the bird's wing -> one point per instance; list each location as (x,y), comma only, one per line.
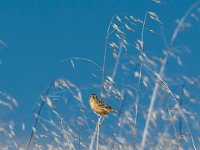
(104,105)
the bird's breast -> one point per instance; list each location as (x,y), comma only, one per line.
(92,104)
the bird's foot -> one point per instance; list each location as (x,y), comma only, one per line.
(99,125)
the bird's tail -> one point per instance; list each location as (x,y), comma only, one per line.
(112,110)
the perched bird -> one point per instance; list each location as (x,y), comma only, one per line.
(99,107)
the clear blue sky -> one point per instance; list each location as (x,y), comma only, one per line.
(41,33)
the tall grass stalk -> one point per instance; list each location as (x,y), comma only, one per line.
(98,129)
(156,87)
(105,53)
(95,135)
(37,116)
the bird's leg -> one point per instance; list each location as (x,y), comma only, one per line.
(99,121)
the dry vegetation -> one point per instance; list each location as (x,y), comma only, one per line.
(155,110)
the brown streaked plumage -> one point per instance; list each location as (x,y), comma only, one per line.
(99,107)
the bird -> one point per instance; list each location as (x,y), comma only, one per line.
(99,107)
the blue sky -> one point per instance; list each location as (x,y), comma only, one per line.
(39,34)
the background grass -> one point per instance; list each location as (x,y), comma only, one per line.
(157,109)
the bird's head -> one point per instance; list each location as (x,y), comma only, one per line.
(93,96)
